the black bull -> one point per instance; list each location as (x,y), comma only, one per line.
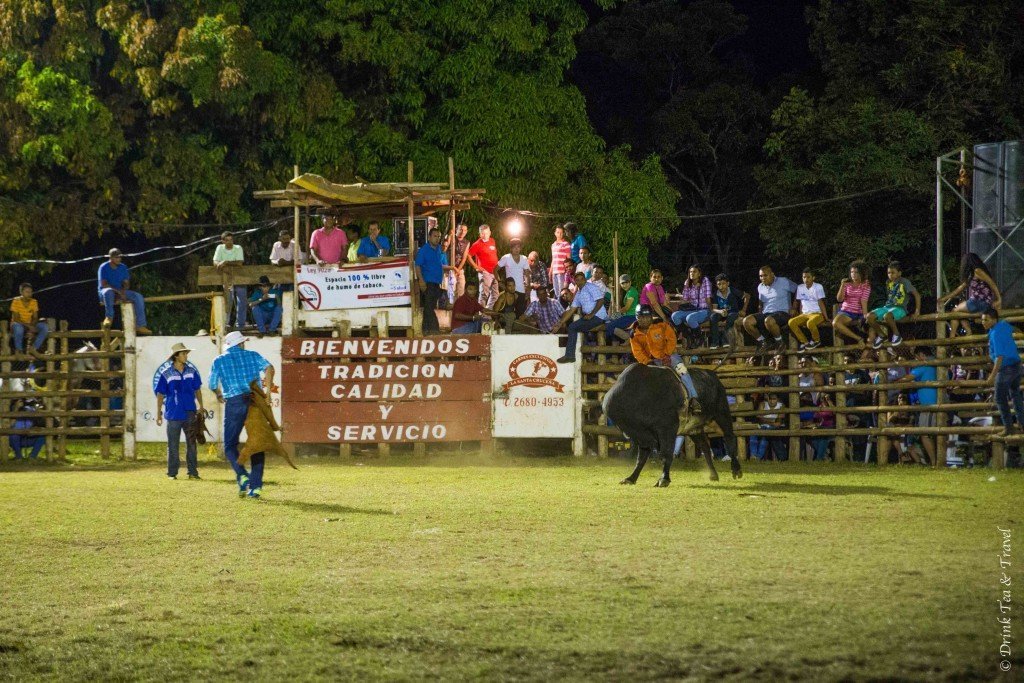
(645,403)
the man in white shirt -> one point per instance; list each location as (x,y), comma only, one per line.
(811,296)
(514,265)
(283,251)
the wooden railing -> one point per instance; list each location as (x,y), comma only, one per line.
(741,379)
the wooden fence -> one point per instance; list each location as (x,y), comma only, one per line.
(741,381)
(75,388)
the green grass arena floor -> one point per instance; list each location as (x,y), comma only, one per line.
(539,568)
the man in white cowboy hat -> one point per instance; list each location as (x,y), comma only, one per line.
(230,376)
(177,385)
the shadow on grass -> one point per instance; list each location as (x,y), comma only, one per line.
(823,490)
(326,508)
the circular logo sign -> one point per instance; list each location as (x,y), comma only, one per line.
(533,370)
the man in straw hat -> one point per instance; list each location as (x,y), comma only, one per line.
(177,385)
(230,375)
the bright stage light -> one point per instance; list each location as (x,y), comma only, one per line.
(514,227)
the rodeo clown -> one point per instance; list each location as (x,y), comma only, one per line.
(654,343)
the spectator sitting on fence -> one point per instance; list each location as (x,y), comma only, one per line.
(328,245)
(541,317)
(589,303)
(177,386)
(853,299)
(982,290)
(566,297)
(586,263)
(28,330)
(774,302)
(283,251)
(769,420)
(926,396)
(813,313)
(25,408)
(508,304)
(374,245)
(653,295)
(576,241)
(1006,371)
(114,279)
(266,307)
(898,292)
(728,304)
(619,324)
(599,277)
(538,274)
(467,314)
(354,237)
(230,255)
(695,307)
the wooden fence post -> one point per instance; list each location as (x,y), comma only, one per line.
(841,444)
(792,362)
(5,368)
(128,379)
(941,419)
(48,402)
(65,385)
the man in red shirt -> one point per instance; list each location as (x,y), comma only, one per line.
(467,313)
(483,256)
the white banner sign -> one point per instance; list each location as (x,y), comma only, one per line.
(369,285)
(534,395)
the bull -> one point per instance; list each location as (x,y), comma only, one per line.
(646,403)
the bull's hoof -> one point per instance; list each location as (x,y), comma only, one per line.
(627,480)
(736,474)
(662,483)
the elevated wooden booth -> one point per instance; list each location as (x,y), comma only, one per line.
(381,294)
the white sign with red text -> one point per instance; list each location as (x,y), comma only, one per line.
(368,285)
(534,397)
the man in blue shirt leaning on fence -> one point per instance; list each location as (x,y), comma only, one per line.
(230,376)
(1006,375)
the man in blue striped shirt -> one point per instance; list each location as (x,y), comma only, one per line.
(230,376)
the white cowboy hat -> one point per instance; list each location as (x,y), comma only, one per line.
(233,339)
(178,348)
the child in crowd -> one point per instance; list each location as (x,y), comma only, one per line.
(653,295)
(898,292)
(728,304)
(813,313)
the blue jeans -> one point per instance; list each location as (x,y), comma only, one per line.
(674,360)
(575,328)
(19,441)
(174,429)
(1007,390)
(470,327)
(717,331)
(693,319)
(759,446)
(19,335)
(235,410)
(820,447)
(241,296)
(107,297)
(620,323)
(266,322)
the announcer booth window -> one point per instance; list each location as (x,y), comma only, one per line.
(422,227)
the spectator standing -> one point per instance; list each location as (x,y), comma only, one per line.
(926,396)
(1006,374)
(898,292)
(467,313)
(586,263)
(459,263)
(230,377)
(283,252)
(560,251)
(354,237)
(483,256)
(696,305)
(25,323)
(429,273)
(729,304)
(653,295)
(852,296)
(620,325)
(24,420)
(542,316)
(266,307)
(538,275)
(589,303)
(374,245)
(113,288)
(775,299)
(576,241)
(328,245)
(982,291)
(229,255)
(769,420)
(813,313)
(516,266)
(177,386)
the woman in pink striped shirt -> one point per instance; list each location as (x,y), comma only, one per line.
(560,250)
(853,296)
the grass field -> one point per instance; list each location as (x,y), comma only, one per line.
(515,568)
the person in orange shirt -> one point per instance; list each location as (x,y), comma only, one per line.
(25,322)
(654,343)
